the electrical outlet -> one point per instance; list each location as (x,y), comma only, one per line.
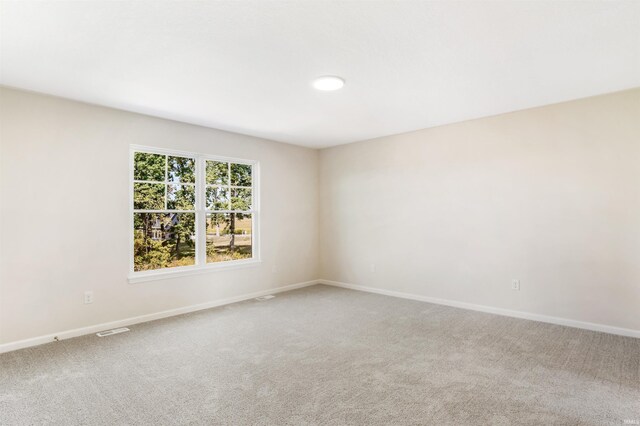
(373,267)
(274,269)
(515,285)
(88,297)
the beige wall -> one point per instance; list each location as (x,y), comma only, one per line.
(64,224)
(550,196)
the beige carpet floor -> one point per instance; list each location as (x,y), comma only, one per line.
(323,355)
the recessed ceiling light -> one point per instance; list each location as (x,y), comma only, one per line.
(328,82)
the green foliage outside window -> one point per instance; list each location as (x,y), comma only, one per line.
(217,173)
(229,233)
(164,201)
(163,239)
(149,167)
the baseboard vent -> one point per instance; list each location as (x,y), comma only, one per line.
(111,332)
(267,297)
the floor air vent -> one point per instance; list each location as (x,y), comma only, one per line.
(267,297)
(111,332)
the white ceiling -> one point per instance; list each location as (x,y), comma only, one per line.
(246,66)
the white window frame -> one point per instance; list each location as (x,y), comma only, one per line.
(201,265)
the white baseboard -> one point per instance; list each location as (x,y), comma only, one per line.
(12,346)
(492,310)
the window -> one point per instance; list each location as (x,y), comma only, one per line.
(191,212)
(229,218)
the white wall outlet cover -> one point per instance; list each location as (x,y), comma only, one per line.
(515,285)
(88,297)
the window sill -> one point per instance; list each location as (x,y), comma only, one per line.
(183,271)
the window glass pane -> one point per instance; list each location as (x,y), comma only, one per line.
(240,174)
(148,196)
(181,169)
(181,197)
(240,199)
(148,166)
(217,198)
(163,240)
(229,237)
(217,173)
